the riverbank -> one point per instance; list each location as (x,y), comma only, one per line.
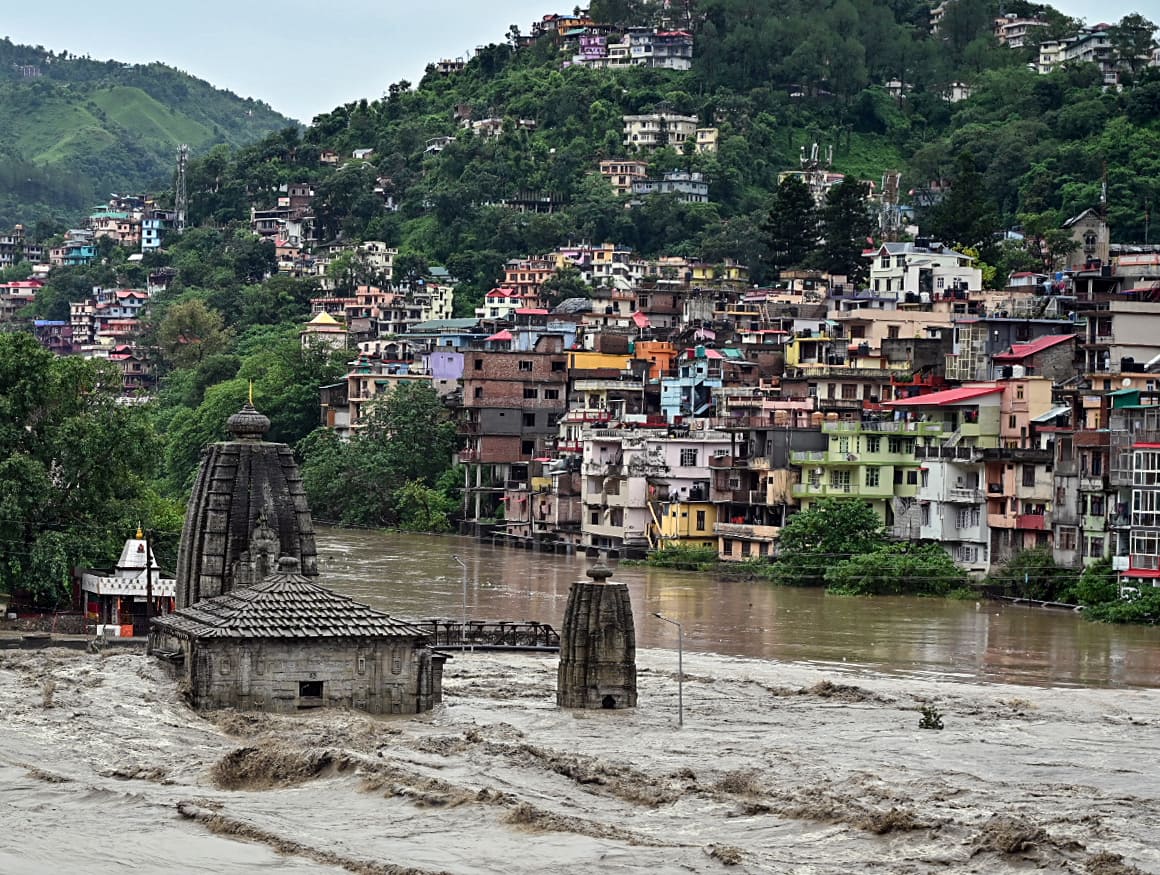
(780,767)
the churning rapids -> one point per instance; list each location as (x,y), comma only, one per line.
(801,765)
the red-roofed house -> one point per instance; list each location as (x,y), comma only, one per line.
(1052,356)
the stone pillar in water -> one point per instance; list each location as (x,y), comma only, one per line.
(597,645)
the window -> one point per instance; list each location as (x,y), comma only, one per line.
(530,420)
(557,367)
(1019,392)
(925,515)
(310,689)
(840,480)
(551,394)
(479,364)
(700,521)
(688,458)
(911,478)
(1066,536)
(525,365)
(478,393)
(1095,548)
(892,331)
(873,475)
(873,444)
(1028,475)
(1012,421)
(727,546)
(900,445)
(924,477)
(594,517)
(966,554)
(1097,505)
(849,392)
(843,445)
(530,393)
(968,518)
(528,448)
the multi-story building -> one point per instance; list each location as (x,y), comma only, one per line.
(645,488)
(1134,475)
(689,188)
(653,130)
(984,481)
(922,267)
(622,174)
(512,403)
(15,246)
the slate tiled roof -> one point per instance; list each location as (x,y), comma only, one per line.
(284,605)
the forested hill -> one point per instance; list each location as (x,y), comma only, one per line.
(772,76)
(73,129)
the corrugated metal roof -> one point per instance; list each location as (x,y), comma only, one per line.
(948,396)
(1020,351)
(284,605)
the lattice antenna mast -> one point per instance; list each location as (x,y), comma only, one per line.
(181,199)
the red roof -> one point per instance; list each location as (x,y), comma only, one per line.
(531,311)
(946,397)
(1020,351)
(502,335)
(640,319)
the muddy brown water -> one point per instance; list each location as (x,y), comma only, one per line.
(416,577)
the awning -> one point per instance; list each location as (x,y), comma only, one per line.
(1052,413)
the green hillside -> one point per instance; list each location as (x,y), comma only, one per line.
(77,129)
(1023,150)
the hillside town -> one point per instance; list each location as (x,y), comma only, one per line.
(678,404)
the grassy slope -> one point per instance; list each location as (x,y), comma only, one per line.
(136,111)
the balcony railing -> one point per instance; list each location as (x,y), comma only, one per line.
(960,495)
(469,455)
(741,530)
(951,454)
(725,461)
(1033,521)
(805,457)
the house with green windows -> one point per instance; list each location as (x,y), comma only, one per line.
(871,459)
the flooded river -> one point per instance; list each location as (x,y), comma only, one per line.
(800,751)
(416,576)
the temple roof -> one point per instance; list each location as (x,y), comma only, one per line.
(284,605)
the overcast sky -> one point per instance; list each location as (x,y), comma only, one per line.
(305,57)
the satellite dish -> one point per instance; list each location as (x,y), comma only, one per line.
(1127,381)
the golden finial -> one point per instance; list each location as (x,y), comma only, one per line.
(251,393)
(140,534)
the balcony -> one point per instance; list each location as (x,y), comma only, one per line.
(960,495)
(807,457)
(949,454)
(1034,521)
(746,532)
(1088,483)
(467,456)
(466,426)
(725,461)
(1000,521)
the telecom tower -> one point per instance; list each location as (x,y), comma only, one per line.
(814,170)
(181,202)
(889,217)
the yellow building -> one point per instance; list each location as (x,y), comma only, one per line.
(686,524)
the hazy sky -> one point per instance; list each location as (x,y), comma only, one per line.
(305,58)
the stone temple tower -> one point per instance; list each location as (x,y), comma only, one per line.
(597,645)
(247,509)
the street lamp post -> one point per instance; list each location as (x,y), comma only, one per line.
(463,628)
(680,667)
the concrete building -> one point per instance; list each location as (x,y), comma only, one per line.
(653,130)
(622,174)
(117,600)
(689,188)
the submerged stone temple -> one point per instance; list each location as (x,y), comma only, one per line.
(247,509)
(254,629)
(597,645)
(287,644)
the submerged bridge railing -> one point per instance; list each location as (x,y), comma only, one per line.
(490,635)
